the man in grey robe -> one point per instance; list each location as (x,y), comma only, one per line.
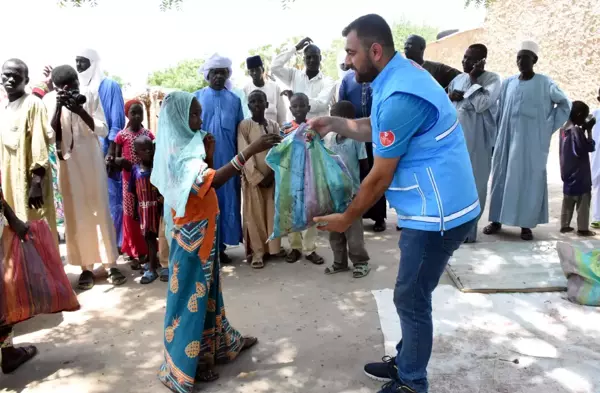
(475,95)
(531,108)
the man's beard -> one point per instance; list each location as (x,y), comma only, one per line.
(367,75)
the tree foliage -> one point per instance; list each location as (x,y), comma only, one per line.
(269,52)
(403,29)
(330,52)
(183,76)
(176,4)
(117,79)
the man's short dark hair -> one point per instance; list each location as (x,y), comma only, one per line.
(302,96)
(372,29)
(64,75)
(21,64)
(481,49)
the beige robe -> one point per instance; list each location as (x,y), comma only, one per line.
(89,229)
(25,137)
(259,203)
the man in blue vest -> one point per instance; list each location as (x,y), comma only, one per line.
(423,167)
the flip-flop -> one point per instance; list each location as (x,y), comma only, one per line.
(149,277)
(27,353)
(334,270)
(115,277)
(595,225)
(86,281)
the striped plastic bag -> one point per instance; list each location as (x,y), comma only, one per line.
(582,270)
(32,276)
(310,181)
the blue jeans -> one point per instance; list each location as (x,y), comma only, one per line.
(423,258)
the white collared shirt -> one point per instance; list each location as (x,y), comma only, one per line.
(320,89)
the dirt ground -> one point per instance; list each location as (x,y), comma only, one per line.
(315,331)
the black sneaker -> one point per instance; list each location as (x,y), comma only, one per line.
(395,387)
(384,371)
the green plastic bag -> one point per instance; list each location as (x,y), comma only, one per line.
(582,270)
(310,181)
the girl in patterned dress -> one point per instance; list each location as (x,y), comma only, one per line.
(197,332)
(147,203)
(134,244)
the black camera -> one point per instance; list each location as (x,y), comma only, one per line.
(79,99)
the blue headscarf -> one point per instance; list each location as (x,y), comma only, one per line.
(180,154)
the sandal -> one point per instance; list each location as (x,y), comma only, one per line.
(586,233)
(595,225)
(379,227)
(315,258)
(149,277)
(206,376)
(566,229)
(115,277)
(164,274)
(335,268)
(280,254)
(293,257)
(224,258)
(526,234)
(257,263)
(135,264)
(492,228)
(86,280)
(361,270)
(25,355)
(249,342)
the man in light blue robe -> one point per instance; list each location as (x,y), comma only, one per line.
(531,108)
(475,95)
(92,77)
(221,115)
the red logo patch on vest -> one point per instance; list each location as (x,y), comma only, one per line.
(387,138)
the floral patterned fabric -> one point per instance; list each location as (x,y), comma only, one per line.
(197,331)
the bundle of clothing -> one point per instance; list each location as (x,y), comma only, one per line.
(310,181)
(582,269)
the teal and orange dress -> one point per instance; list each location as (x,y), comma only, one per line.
(196,329)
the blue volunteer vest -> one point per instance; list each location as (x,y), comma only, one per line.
(433,187)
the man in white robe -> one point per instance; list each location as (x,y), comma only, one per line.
(475,95)
(277,110)
(318,87)
(595,158)
(89,230)
(531,108)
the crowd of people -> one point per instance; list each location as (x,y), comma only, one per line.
(419,135)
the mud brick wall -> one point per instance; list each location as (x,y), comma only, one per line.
(568,32)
